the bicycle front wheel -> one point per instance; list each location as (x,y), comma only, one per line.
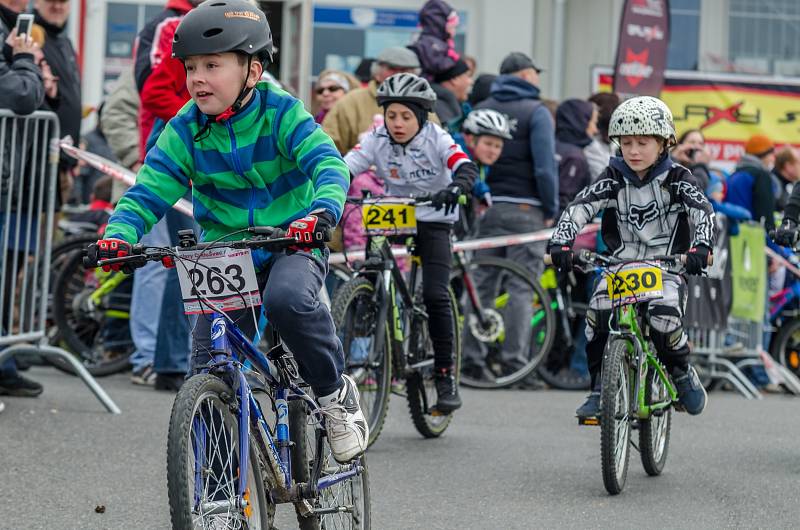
(355,314)
(786,346)
(421,383)
(203,462)
(515,329)
(615,407)
(654,431)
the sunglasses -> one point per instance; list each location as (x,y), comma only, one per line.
(321,90)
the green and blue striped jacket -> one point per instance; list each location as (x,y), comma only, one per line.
(266,166)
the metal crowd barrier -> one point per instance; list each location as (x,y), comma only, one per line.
(28,186)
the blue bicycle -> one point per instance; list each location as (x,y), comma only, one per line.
(230,460)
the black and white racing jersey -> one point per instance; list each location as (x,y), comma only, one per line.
(643,217)
(424,165)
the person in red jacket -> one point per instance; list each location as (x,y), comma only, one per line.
(153,47)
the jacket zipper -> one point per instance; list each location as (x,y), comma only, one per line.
(237,166)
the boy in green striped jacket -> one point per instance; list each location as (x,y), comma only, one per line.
(252,156)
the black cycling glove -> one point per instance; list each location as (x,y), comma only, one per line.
(562,256)
(697,259)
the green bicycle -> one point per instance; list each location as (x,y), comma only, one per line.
(636,392)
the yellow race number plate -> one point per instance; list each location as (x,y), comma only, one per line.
(389,218)
(636,284)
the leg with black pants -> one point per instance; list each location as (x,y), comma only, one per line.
(433,248)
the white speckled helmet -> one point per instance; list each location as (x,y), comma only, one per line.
(642,116)
(487,121)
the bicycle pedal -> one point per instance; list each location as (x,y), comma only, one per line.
(304,508)
(593,420)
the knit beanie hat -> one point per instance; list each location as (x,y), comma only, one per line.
(460,67)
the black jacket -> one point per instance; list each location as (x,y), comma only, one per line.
(572,119)
(447,108)
(62,59)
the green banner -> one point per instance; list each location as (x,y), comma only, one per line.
(749,273)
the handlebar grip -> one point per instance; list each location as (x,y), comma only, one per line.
(462,200)
(548,259)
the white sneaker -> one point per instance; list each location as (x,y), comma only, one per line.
(347,429)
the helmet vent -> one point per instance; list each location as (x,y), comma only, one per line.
(217,4)
(213,32)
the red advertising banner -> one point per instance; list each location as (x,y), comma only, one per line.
(642,48)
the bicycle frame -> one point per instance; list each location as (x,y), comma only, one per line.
(230,349)
(108,283)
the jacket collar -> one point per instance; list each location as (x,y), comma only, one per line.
(51,29)
(750,161)
(661,166)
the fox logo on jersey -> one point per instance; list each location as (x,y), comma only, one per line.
(641,215)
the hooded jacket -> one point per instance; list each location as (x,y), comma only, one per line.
(526,170)
(750,187)
(62,59)
(434,47)
(643,217)
(572,119)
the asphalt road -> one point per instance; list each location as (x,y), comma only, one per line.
(511,459)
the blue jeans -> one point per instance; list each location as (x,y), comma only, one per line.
(158,327)
(290,292)
(9,367)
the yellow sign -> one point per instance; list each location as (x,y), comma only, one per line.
(389,218)
(640,284)
(728,108)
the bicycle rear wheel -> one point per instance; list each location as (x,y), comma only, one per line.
(506,290)
(203,457)
(345,505)
(615,407)
(98,336)
(786,346)
(654,431)
(420,383)
(355,314)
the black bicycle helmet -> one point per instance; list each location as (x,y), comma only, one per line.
(219,26)
(404,88)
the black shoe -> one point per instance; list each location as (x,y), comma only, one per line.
(591,407)
(169,382)
(19,386)
(691,394)
(448,399)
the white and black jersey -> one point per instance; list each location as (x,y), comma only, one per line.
(643,217)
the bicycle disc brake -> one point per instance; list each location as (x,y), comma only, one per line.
(493,329)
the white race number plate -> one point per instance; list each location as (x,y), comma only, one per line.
(225,277)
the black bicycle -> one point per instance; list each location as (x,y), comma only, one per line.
(382,322)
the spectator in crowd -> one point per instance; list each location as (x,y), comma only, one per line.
(452,90)
(472,64)
(524,183)
(599,152)
(750,186)
(354,113)
(120,110)
(22,91)
(331,86)
(434,46)
(785,174)
(52,15)
(576,125)
(692,153)
(364,70)
(94,142)
(159,331)
(100,205)
(481,89)
(153,45)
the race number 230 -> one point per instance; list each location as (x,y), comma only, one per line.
(636,282)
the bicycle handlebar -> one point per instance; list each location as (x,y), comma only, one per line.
(267,237)
(592,258)
(424,199)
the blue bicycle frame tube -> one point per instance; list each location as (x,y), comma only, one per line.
(282,430)
(244,432)
(199,458)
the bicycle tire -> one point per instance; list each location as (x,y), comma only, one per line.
(374,385)
(543,335)
(420,387)
(615,396)
(555,380)
(181,450)
(654,431)
(303,457)
(785,348)
(80,333)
